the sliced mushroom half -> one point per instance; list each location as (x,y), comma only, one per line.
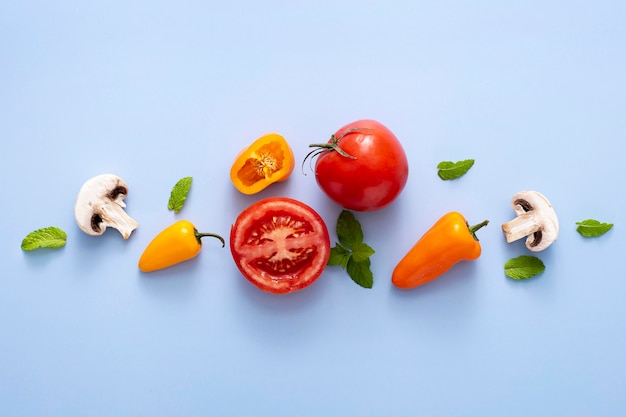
(535,220)
(100,204)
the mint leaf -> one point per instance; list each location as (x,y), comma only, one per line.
(351,253)
(361,273)
(339,256)
(361,252)
(523,267)
(47,237)
(179,194)
(593,228)
(349,229)
(452,170)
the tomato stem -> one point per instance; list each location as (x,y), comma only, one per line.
(199,237)
(333,145)
(476,227)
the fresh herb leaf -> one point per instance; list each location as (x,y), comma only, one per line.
(339,256)
(349,229)
(179,194)
(361,252)
(351,253)
(47,237)
(593,228)
(452,170)
(523,267)
(360,272)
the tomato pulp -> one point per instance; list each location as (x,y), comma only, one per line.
(280,244)
(371,175)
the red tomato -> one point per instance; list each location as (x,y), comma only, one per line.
(373,173)
(280,245)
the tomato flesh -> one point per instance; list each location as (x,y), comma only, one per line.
(280,244)
(376,174)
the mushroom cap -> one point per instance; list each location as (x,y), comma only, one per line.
(543,214)
(100,204)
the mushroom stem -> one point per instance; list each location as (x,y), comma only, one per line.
(523,225)
(113,215)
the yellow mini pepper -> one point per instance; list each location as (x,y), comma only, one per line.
(177,243)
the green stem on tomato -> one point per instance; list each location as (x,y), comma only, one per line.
(332,145)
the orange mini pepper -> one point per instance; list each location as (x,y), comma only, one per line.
(447,242)
(267,160)
(177,243)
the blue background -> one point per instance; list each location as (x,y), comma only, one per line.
(534,91)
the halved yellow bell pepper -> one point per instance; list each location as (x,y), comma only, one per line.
(267,160)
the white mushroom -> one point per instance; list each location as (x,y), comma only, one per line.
(100,205)
(535,218)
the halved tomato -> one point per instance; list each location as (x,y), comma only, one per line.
(280,244)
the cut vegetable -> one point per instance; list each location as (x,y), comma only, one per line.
(536,221)
(267,160)
(100,204)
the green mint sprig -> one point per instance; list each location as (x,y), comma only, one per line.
(523,267)
(593,228)
(179,194)
(48,237)
(350,252)
(452,170)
